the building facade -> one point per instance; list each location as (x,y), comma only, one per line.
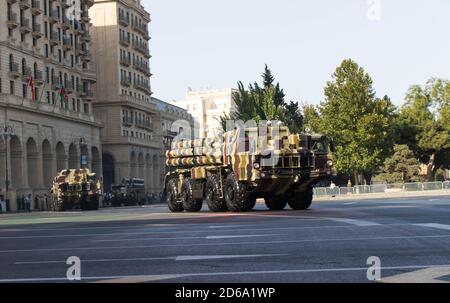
(176,123)
(207,107)
(46,80)
(131,132)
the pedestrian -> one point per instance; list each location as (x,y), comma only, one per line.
(28,202)
(1,204)
(46,202)
(36,202)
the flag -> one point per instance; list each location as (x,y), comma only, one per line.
(63,97)
(31,85)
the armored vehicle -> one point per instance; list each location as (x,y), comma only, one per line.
(75,188)
(128,192)
(230,172)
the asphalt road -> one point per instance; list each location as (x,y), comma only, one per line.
(331,242)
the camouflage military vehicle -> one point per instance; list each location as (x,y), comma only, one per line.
(73,188)
(128,192)
(231,172)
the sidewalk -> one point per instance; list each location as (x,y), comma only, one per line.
(384,195)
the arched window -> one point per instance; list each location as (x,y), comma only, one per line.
(35,69)
(24,66)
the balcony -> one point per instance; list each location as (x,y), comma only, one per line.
(86,57)
(25,26)
(68,86)
(85,16)
(87,94)
(79,51)
(56,83)
(66,23)
(38,78)
(147,125)
(14,70)
(125,82)
(125,61)
(140,28)
(54,38)
(66,3)
(127,121)
(124,41)
(36,7)
(86,37)
(24,4)
(12,20)
(54,16)
(67,43)
(123,20)
(36,32)
(26,73)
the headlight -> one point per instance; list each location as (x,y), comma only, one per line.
(329,163)
(256,165)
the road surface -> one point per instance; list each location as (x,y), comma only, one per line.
(331,242)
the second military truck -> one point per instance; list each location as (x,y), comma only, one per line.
(231,172)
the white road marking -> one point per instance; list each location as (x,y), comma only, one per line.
(239,236)
(355,222)
(184,238)
(213,257)
(426,275)
(225,226)
(143,278)
(176,258)
(434,225)
(349,203)
(228,243)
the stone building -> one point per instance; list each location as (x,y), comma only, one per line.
(176,122)
(131,133)
(206,106)
(39,40)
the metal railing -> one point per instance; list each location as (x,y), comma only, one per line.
(382,188)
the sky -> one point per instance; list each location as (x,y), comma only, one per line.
(203,44)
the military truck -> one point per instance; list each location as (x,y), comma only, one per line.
(130,191)
(75,188)
(232,171)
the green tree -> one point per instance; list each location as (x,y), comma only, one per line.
(403,166)
(311,117)
(264,102)
(424,125)
(357,121)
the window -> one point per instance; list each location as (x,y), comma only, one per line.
(11,87)
(48,97)
(24,90)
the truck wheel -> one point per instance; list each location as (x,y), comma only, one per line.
(275,202)
(212,190)
(301,201)
(173,202)
(189,203)
(236,196)
(58,205)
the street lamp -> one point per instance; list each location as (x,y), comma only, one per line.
(6,133)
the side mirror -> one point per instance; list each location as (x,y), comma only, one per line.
(332,146)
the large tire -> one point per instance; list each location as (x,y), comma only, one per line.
(212,190)
(58,205)
(275,202)
(172,197)
(189,203)
(236,196)
(301,201)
